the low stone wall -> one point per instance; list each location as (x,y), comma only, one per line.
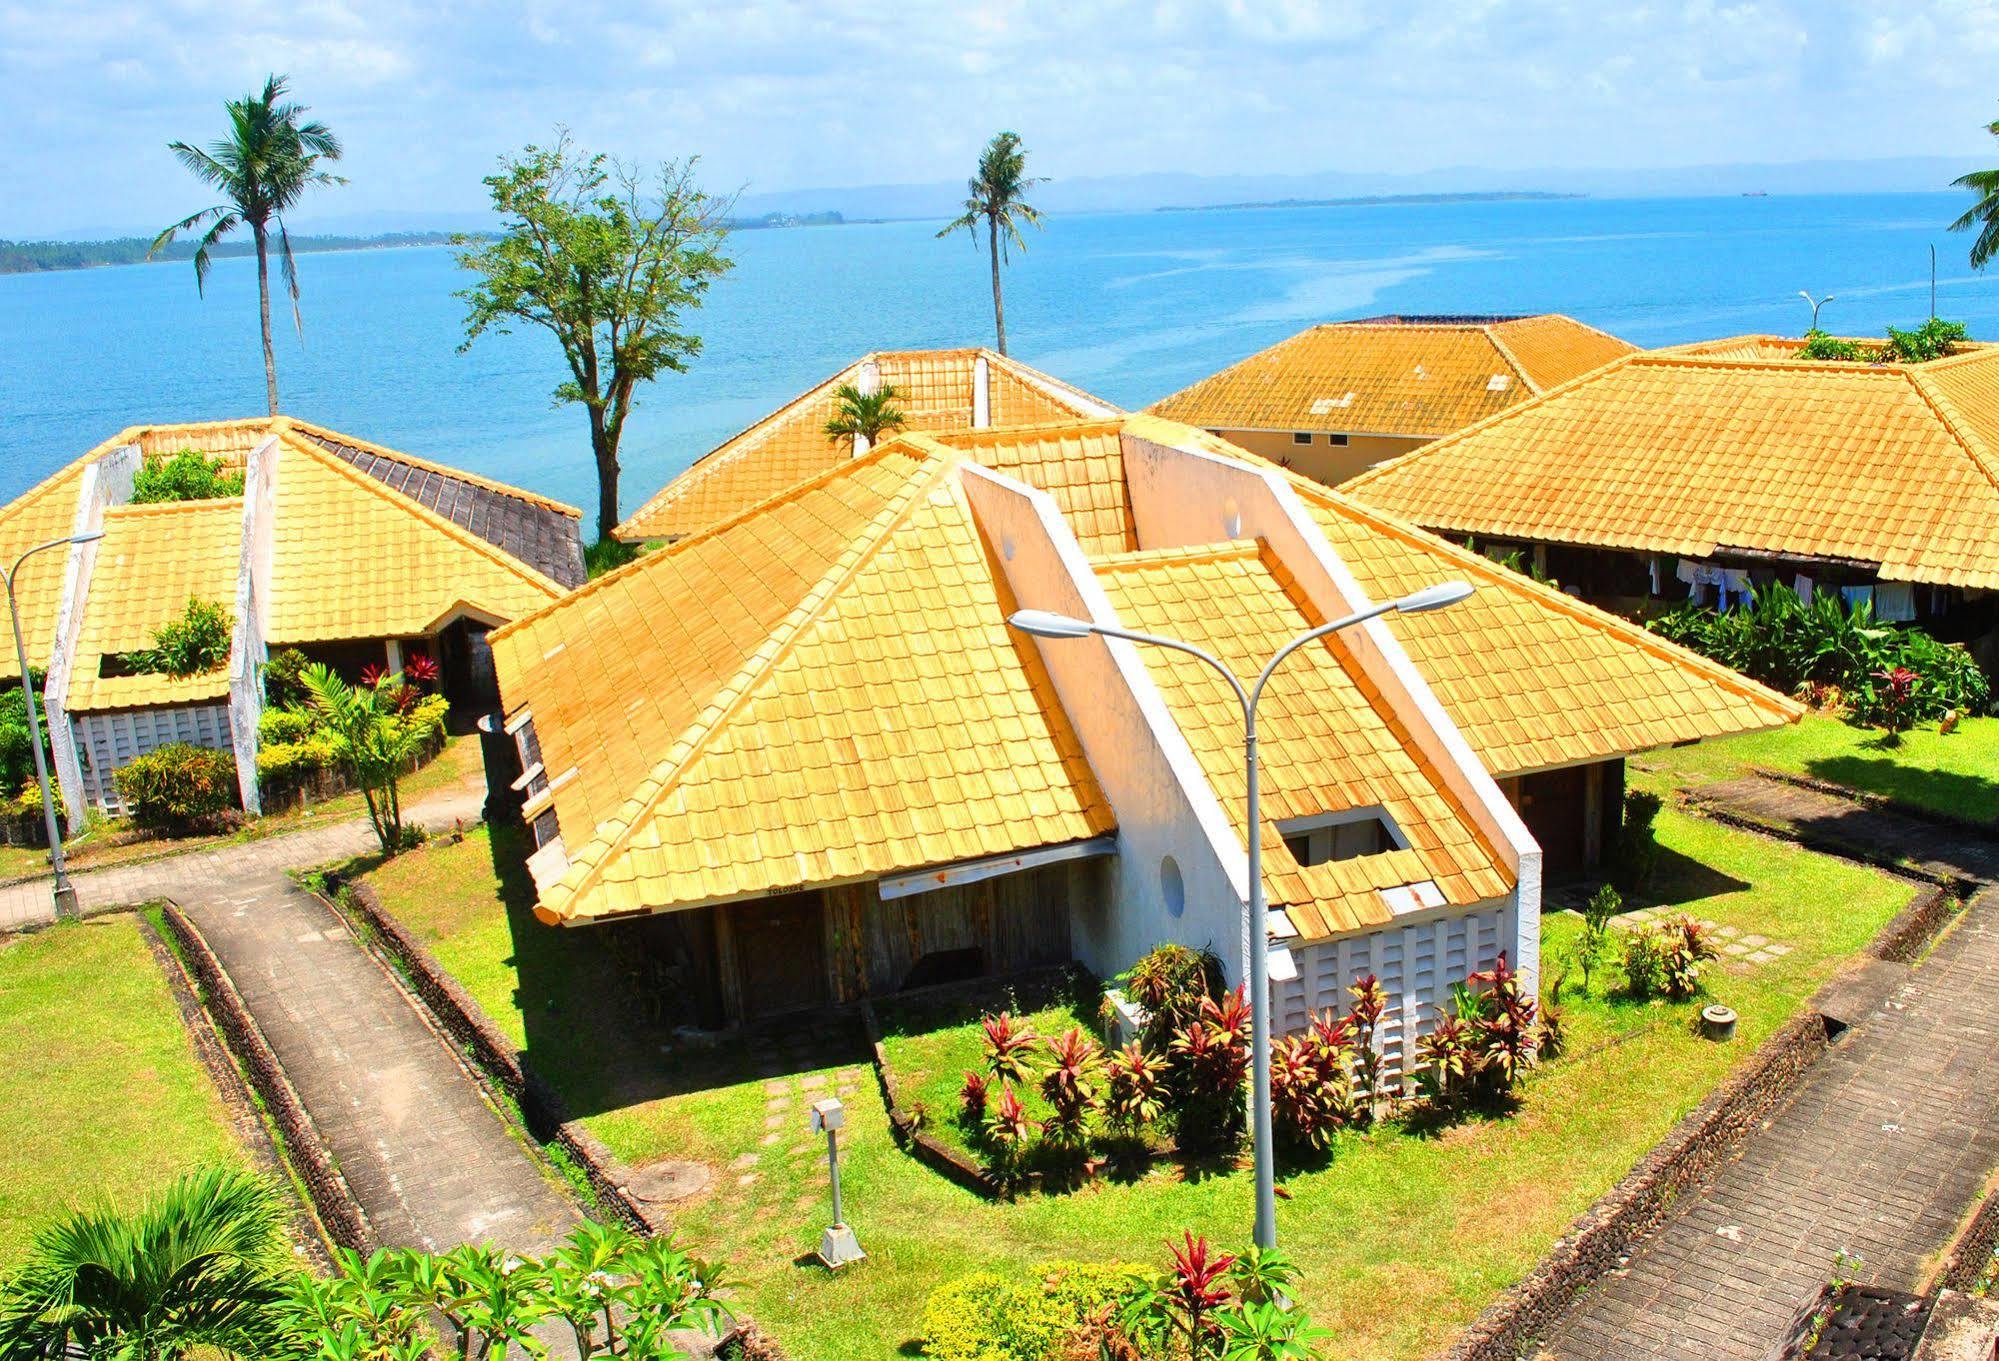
(492,1055)
(1905,938)
(339,1213)
(921,1144)
(1971,1254)
(1691,1150)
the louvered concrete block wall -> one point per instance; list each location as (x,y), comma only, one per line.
(109,740)
(1416,963)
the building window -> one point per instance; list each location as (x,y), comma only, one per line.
(1341,836)
(1338,441)
(1301,437)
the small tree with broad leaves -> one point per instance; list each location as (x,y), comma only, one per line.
(376,742)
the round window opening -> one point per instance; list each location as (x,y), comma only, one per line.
(1171,887)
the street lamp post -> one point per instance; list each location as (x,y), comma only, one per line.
(65,896)
(1047,624)
(1817,303)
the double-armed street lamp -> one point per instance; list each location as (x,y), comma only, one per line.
(1047,624)
(65,896)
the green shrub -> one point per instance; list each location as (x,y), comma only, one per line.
(293,763)
(282,687)
(179,787)
(17,753)
(1819,345)
(287,725)
(1795,647)
(185,476)
(196,641)
(986,1317)
(1169,983)
(1635,856)
(1592,944)
(1934,339)
(607,555)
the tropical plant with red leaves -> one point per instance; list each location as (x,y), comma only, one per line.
(1505,1029)
(1009,1129)
(1684,946)
(1169,983)
(1449,1059)
(972,1097)
(1010,1046)
(1304,1113)
(1177,1316)
(1894,698)
(421,668)
(1210,1063)
(1069,1086)
(1370,1004)
(1134,1089)
(373,674)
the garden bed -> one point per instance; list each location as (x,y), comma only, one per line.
(1404,1235)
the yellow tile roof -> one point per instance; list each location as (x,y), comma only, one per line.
(889,721)
(151,561)
(1079,463)
(1534,678)
(1410,376)
(1329,742)
(44,512)
(1695,454)
(790,445)
(353,558)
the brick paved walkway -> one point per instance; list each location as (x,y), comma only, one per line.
(1888,1144)
(28,903)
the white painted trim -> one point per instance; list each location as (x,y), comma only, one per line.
(105,482)
(982,393)
(249,648)
(518,721)
(527,776)
(992,867)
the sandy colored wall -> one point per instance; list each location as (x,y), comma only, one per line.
(1330,464)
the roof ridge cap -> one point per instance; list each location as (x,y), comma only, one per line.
(1581,611)
(129,509)
(735,692)
(1498,343)
(465,538)
(293,424)
(1138,559)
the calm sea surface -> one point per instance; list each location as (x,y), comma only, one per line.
(1130,306)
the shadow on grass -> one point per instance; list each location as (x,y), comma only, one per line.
(1678,879)
(595,1031)
(1972,798)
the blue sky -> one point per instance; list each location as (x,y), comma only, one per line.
(780,95)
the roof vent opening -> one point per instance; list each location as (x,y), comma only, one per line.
(1326,837)
(1499,382)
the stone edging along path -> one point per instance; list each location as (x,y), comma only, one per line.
(334,1204)
(1693,1148)
(490,1055)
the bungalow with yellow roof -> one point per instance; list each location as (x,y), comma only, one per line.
(805,744)
(939,390)
(1709,470)
(1344,396)
(353,553)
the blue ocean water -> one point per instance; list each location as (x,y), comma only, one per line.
(1130,306)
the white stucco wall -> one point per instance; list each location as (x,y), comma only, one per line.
(1164,805)
(105,482)
(248,650)
(1183,497)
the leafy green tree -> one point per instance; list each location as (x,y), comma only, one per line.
(996,199)
(201,1267)
(262,168)
(1984,212)
(867,415)
(608,259)
(376,742)
(184,476)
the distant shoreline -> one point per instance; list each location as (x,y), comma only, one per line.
(1373,201)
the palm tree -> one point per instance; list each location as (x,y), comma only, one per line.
(865,415)
(263,167)
(375,740)
(202,1265)
(995,198)
(1984,214)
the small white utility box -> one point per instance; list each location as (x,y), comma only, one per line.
(828,1115)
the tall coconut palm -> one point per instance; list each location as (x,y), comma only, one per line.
(1984,214)
(264,165)
(996,199)
(201,1266)
(865,415)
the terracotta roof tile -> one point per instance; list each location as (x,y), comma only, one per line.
(1394,376)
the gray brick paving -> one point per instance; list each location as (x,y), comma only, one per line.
(1887,1146)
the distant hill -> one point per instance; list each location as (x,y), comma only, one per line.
(1367,201)
(34,257)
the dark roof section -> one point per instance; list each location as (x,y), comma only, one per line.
(536,533)
(1435,319)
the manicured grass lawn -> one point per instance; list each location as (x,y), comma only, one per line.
(102,1087)
(1402,1237)
(1957,774)
(114,841)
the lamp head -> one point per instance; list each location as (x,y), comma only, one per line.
(1433,597)
(1049,624)
(92,537)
